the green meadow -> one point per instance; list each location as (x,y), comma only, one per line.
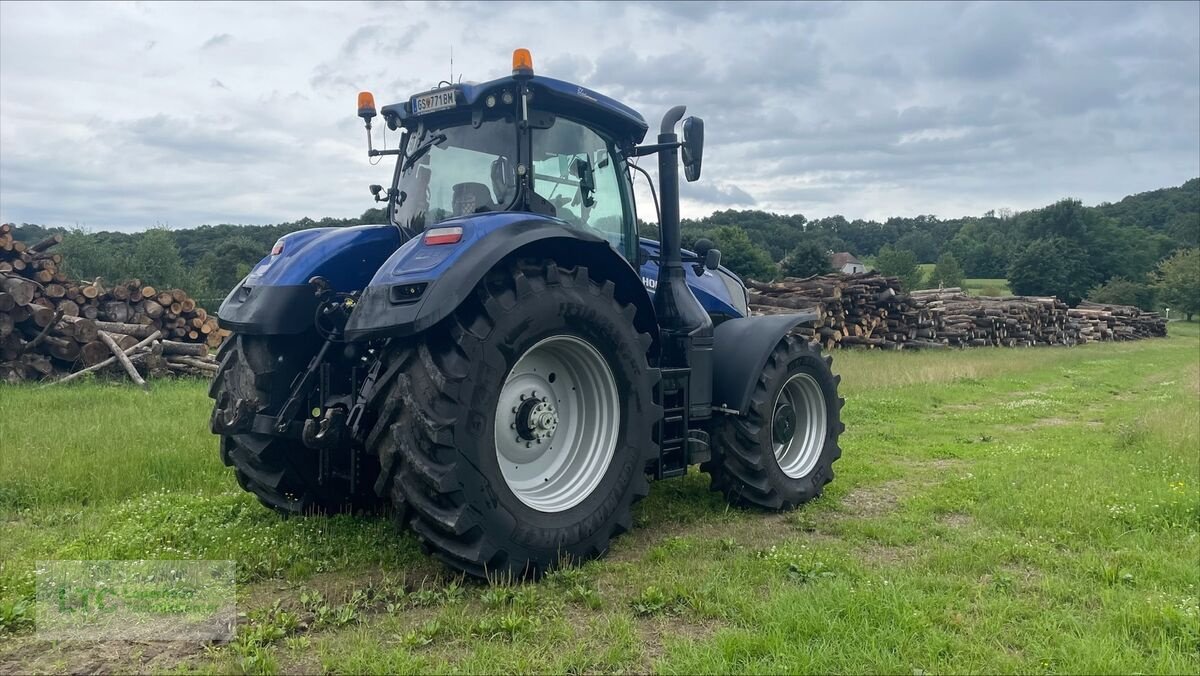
(995,510)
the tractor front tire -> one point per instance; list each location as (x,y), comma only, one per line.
(518,430)
(282,473)
(780,454)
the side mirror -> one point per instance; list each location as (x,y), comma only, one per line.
(712,259)
(704,249)
(504,180)
(693,147)
(643,257)
(587,181)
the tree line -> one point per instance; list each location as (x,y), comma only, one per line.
(1113,252)
(207,261)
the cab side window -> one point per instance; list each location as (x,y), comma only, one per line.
(574,170)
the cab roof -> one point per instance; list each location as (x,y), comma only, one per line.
(556,96)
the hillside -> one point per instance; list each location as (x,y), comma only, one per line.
(1095,244)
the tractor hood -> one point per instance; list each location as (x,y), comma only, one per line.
(719,291)
(276,298)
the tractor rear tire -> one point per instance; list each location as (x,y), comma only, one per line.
(444,428)
(780,454)
(282,473)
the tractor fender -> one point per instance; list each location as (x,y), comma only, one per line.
(740,350)
(442,276)
(276,299)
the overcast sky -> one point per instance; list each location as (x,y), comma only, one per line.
(133,114)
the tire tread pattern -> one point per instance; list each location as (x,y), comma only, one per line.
(745,469)
(419,462)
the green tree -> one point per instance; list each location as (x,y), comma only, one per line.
(921,243)
(739,254)
(806,260)
(900,263)
(947,272)
(87,256)
(1179,282)
(373,216)
(156,260)
(219,271)
(1121,291)
(1053,266)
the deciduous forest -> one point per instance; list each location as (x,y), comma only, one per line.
(1129,252)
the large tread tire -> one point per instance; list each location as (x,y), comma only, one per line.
(745,468)
(281,473)
(435,431)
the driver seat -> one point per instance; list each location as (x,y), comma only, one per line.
(472,198)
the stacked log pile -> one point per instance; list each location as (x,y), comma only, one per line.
(50,325)
(1004,321)
(873,311)
(1116,322)
(864,309)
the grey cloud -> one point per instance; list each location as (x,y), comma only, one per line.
(987,42)
(864,109)
(716,193)
(197,140)
(382,39)
(362,38)
(368,54)
(217,41)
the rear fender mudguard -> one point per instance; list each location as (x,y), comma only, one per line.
(740,351)
(447,273)
(275,298)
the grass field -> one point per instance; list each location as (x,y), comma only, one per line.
(995,511)
(987,287)
(974,286)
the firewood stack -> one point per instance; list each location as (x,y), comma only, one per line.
(863,309)
(1004,321)
(872,311)
(50,325)
(1115,322)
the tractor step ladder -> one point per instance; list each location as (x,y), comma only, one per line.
(673,428)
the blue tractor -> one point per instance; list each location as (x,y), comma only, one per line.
(505,363)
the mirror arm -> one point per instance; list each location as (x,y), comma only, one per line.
(641,151)
(371,151)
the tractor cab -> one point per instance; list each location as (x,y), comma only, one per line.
(522,143)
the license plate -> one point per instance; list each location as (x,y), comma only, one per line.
(440,99)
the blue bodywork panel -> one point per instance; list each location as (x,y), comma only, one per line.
(347,257)
(276,299)
(421,284)
(719,291)
(359,257)
(418,262)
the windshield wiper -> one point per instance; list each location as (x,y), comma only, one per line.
(421,150)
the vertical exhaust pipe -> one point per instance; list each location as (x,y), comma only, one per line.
(686,329)
(668,180)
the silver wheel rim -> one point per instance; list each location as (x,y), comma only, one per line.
(798,424)
(556,423)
